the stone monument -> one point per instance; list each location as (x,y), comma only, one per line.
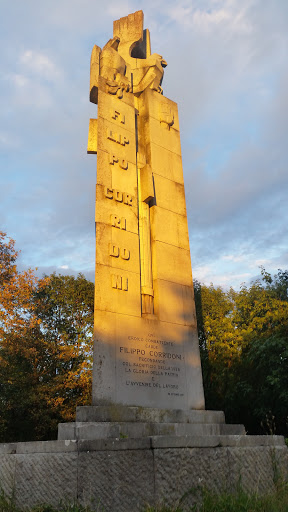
(147,436)
(146,346)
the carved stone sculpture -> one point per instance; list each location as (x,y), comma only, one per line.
(146,347)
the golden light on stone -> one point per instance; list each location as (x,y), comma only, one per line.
(145,341)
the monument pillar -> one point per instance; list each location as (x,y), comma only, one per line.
(146,351)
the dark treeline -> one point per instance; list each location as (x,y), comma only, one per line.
(46,330)
(243,339)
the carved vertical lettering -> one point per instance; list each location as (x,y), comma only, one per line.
(115,114)
(125,254)
(116,282)
(110,135)
(112,159)
(118,222)
(123,223)
(113,250)
(127,199)
(119,196)
(119,282)
(123,164)
(108,192)
(117,137)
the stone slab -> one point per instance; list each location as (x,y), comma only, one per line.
(88,445)
(232,430)
(7,470)
(171,263)
(180,471)
(72,446)
(144,362)
(45,478)
(216,441)
(174,303)
(122,291)
(136,430)
(120,114)
(166,163)
(106,207)
(118,413)
(176,228)
(117,248)
(106,133)
(169,195)
(110,174)
(119,481)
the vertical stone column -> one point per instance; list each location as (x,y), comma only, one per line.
(145,341)
(117,277)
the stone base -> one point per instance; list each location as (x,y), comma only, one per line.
(102,422)
(123,475)
(119,459)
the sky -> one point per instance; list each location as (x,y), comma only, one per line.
(228,72)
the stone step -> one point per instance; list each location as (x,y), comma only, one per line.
(120,413)
(133,430)
(157,442)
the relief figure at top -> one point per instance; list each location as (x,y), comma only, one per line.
(125,61)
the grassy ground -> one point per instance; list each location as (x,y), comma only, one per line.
(238,502)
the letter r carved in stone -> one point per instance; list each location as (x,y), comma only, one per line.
(118,222)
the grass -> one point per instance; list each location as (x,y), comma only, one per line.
(8,505)
(236,502)
(210,502)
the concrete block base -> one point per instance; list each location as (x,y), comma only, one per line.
(124,475)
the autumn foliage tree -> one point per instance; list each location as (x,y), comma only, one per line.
(45,348)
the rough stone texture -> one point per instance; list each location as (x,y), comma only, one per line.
(256,468)
(121,481)
(45,478)
(124,474)
(7,472)
(179,470)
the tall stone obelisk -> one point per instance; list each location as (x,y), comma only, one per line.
(146,349)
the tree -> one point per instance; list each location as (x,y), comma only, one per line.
(220,341)
(243,342)
(17,320)
(45,349)
(65,308)
(16,291)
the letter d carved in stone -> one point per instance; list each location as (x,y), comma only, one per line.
(114,250)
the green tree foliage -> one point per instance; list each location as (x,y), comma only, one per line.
(244,348)
(45,349)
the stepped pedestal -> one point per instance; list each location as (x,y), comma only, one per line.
(137,422)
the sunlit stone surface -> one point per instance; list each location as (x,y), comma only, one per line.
(146,347)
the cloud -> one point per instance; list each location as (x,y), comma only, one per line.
(227,71)
(39,64)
